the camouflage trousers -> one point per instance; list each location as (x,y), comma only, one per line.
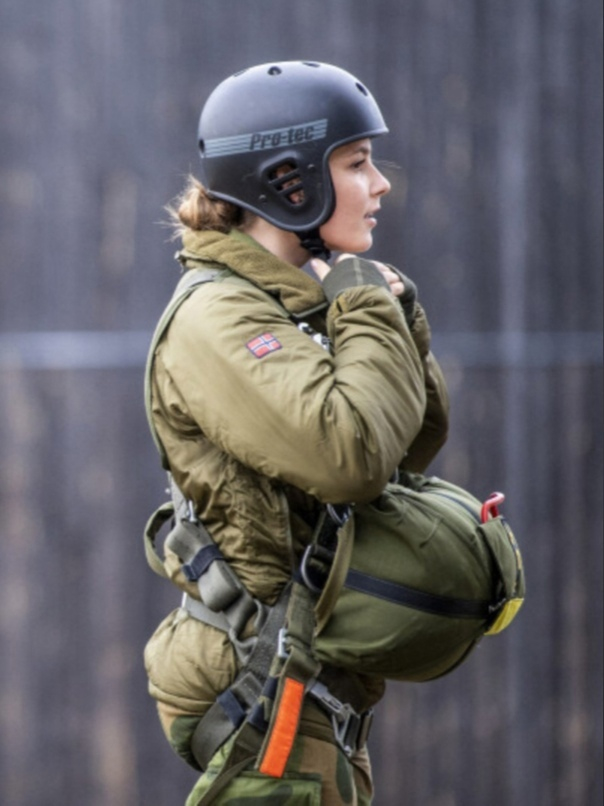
(318,774)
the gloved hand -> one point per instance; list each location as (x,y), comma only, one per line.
(350,270)
(347,272)
(409,296)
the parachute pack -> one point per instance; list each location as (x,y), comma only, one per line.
(401,588)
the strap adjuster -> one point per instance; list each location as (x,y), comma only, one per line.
(282,650)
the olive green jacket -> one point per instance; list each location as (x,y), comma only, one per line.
(258,436)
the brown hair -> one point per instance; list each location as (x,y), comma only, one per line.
(196,209)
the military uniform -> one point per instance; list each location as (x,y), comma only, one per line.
(261,426)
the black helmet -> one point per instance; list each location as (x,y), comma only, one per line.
(267,132)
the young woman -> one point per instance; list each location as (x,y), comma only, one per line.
(274,393)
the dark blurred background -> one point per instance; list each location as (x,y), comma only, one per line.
(495,155)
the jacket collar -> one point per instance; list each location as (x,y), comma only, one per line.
(297,292)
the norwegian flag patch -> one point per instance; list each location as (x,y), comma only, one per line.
(263,345)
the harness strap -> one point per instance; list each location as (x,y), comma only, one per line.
(220,589)
(271,753)
(219,586)
(152,528)
(199,611)
(297,669)
(242,753)
(188,283)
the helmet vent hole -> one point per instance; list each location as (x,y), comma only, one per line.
(361,88)
(274,71)
(202,147)
(311,64)
(285,179)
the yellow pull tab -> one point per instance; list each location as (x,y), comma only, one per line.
(505,617)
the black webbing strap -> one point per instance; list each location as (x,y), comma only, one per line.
(416,599)
(201,562)
(193,545)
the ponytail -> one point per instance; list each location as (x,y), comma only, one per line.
(196,209)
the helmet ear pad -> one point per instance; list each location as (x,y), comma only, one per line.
(291,188)
(295,185)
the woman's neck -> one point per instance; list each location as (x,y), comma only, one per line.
(284,245)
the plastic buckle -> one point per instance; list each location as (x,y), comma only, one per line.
(353,733)
(346,727)
(349,728)
(365,728)
(328,700)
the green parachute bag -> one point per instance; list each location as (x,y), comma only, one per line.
(419,576)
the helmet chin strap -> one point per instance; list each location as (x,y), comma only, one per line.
(313,243)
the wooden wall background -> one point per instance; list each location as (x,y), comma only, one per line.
(495,110)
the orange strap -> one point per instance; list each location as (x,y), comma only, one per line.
(284,729)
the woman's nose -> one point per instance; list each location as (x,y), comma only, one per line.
(381,185)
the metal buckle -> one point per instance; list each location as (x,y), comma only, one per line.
(282,651)
(339,513)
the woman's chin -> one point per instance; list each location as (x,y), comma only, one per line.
(356,247)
